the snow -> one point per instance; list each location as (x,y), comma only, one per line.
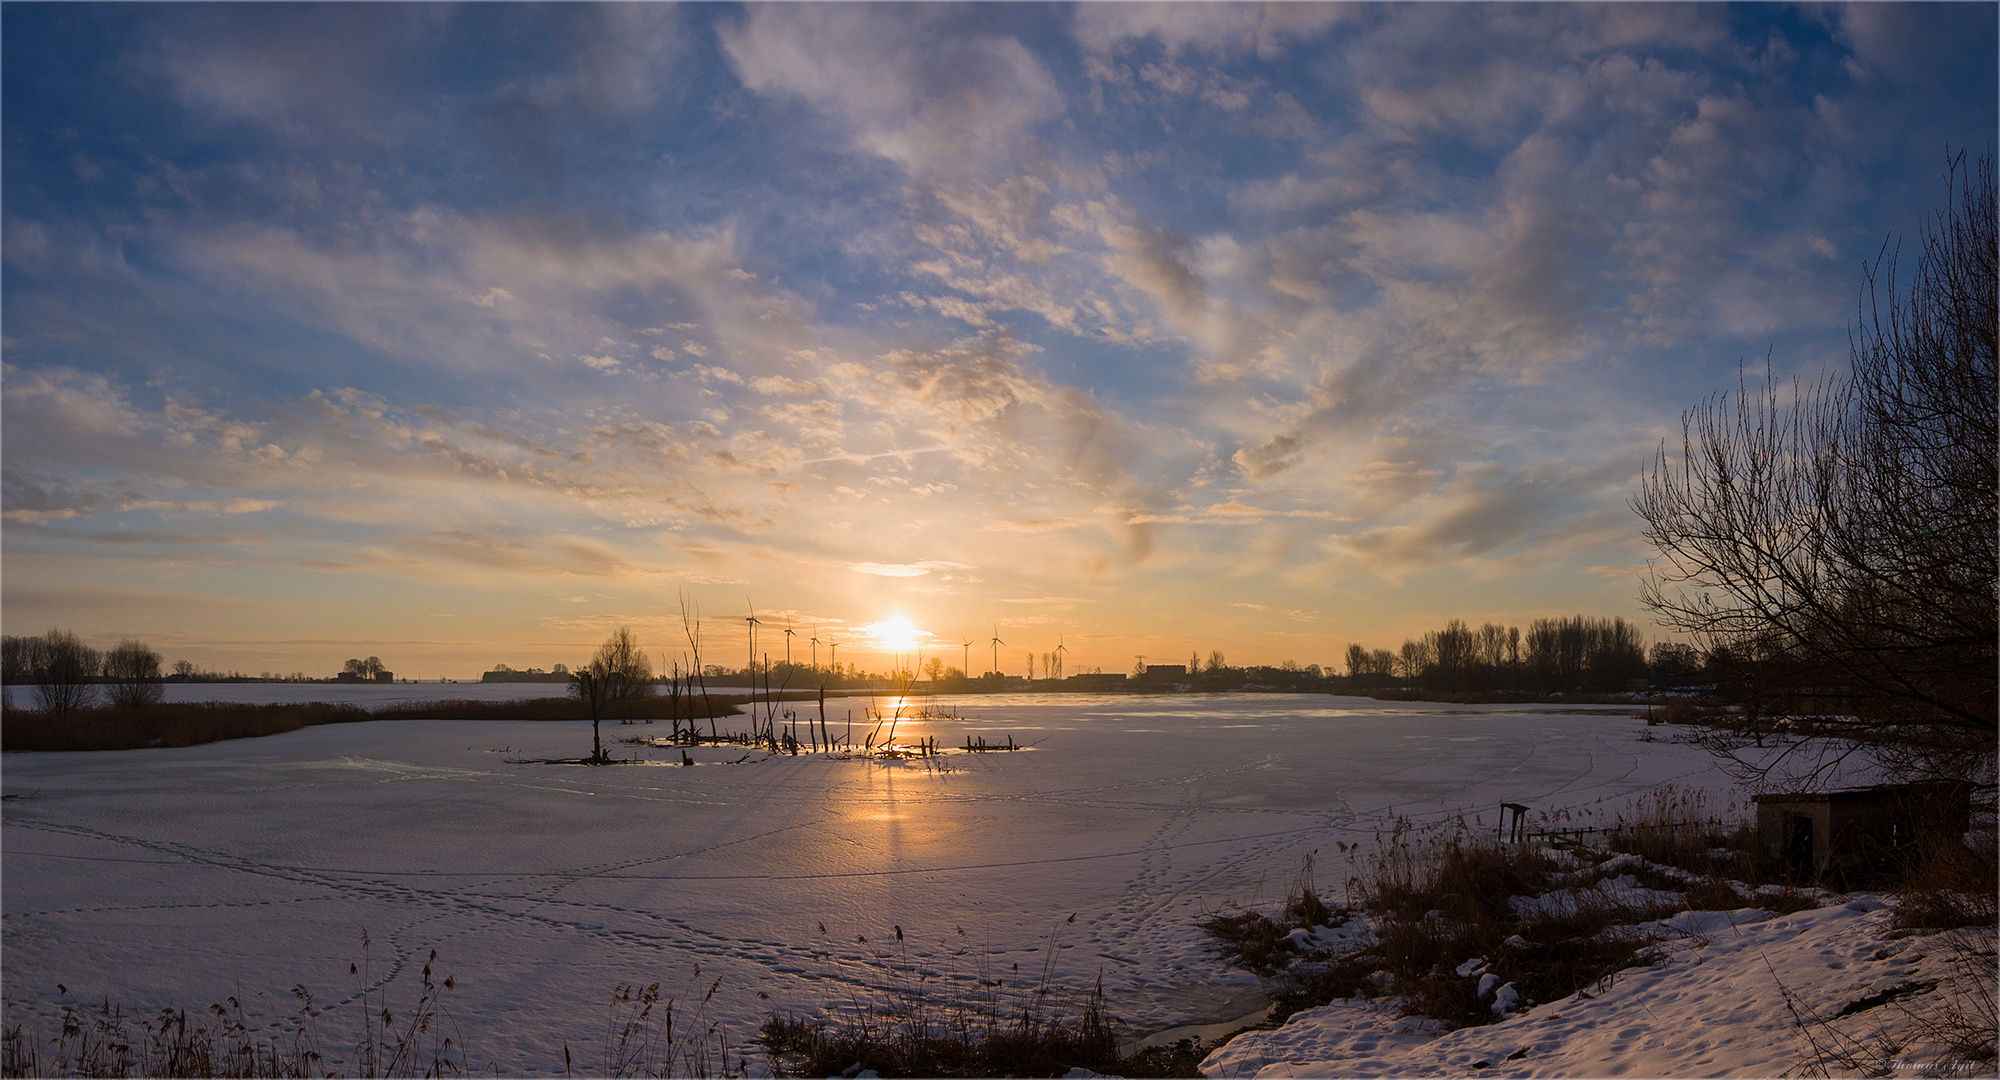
(1717,1007)
(180,876)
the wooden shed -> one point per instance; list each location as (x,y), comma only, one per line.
(1851,835)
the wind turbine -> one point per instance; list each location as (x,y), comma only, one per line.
(833,654)
(1060,650)
(788,644)
(965,662)
(815,645)
(753,620)
(996,648)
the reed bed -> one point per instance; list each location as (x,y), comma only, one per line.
(645,1033)
(927,1022)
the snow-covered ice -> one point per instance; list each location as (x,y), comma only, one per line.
(180,876)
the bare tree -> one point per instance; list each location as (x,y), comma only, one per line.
(65,666)
(134,670)
(1414,659)
(19,658)
(1454,650)
(618,671)
(1842,540)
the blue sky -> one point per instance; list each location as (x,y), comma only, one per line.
(461,334)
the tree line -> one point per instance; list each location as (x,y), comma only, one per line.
(1576,652)
(68,674)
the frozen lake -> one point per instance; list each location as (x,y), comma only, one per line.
(178,877)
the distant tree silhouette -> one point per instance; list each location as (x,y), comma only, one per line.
(134,671)
(1673,661)
(365,669)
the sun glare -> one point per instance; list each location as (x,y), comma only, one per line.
(896,634)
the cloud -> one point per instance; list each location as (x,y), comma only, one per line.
(1490,515)
(488,295)
(906,570)
(780,386)
(1264,29)
(907,90)
(563,556)
(1279,453)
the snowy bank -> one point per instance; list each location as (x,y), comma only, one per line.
(1727,1000)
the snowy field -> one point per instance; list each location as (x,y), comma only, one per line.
(180,876)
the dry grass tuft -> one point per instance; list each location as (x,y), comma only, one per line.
(1949,883)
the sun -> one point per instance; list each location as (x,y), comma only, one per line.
(897,634)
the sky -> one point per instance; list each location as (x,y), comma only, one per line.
(462,335)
